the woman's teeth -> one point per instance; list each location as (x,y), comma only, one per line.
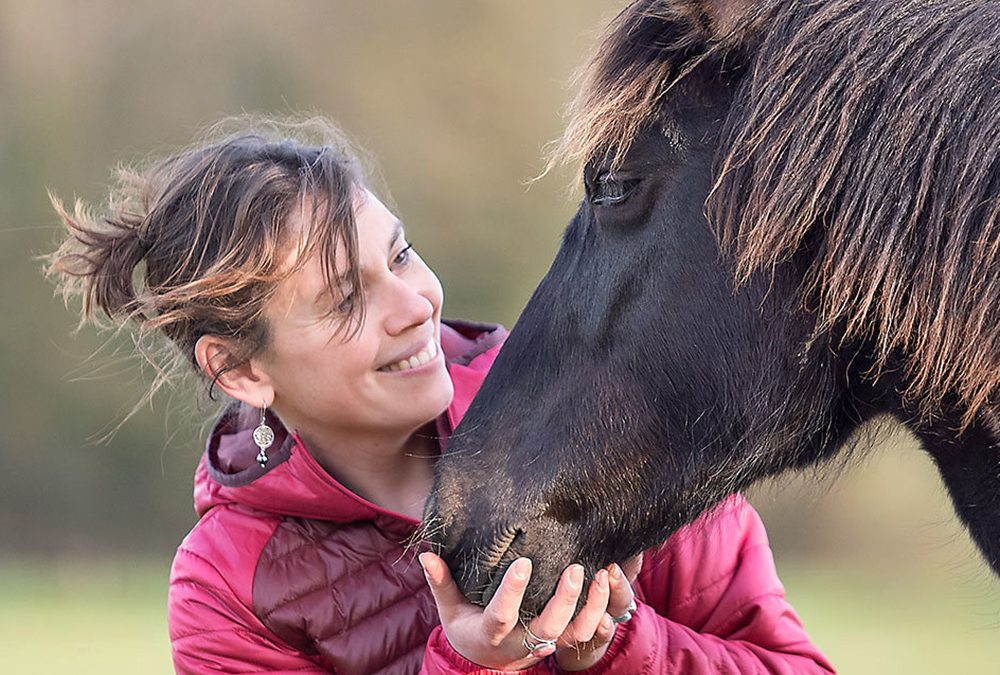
(423,356)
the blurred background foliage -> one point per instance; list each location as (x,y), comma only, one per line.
(455,100)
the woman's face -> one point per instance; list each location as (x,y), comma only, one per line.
(390,377)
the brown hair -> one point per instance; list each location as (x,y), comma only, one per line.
(195,244)
(863,132)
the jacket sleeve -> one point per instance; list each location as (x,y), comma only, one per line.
(212,631)
(709,601)
(440,658)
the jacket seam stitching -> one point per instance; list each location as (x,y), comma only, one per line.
(235,629)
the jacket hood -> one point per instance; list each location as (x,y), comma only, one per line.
(293,483)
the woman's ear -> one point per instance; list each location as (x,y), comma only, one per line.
(245,382)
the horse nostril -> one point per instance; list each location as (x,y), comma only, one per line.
(500,556)
(499,548)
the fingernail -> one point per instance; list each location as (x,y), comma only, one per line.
(601,577)
(576,575)
(522,568)
(544,651)
(616,572)
(423,564)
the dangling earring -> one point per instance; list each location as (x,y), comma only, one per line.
(263,436)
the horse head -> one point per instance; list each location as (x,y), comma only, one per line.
(790,225)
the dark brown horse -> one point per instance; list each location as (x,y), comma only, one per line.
(791,225)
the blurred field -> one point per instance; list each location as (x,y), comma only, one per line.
(109,618)
(869,625)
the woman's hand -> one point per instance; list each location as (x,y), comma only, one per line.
(587,639)
(493,637)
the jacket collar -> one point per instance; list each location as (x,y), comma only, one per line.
(293,483)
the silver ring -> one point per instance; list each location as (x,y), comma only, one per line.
(532,642)
(627,616)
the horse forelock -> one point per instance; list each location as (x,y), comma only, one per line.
(648,48)
(864,134)
(649,45)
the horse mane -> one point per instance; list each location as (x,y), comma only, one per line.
(864,135)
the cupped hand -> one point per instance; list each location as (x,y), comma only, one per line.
(493,636)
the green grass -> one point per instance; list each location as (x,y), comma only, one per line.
(109,618)
(883,625)
(96,617)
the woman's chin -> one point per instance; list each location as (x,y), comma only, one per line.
(430,401)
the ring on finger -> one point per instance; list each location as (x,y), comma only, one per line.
(627,616)
(532,642)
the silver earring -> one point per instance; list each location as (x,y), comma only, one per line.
(263,436)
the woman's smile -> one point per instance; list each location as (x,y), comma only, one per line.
(418,359)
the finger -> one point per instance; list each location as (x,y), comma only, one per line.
(552,622)
(584,626)
(447,597)
(621,599)
(605,631)
(502,613)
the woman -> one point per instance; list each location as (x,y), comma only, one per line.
(274,271)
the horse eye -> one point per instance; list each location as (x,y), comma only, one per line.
(610,189)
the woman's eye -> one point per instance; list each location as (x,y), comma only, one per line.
(403,256)
(346,303)
(610,189)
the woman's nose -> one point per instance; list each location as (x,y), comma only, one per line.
(412,306)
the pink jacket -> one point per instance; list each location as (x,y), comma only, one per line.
(287,571)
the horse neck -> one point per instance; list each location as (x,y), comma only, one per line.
(969,464)
(968,460)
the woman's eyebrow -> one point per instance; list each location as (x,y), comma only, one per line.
(326,293)
(322,296)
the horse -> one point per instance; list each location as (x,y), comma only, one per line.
(790,226)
